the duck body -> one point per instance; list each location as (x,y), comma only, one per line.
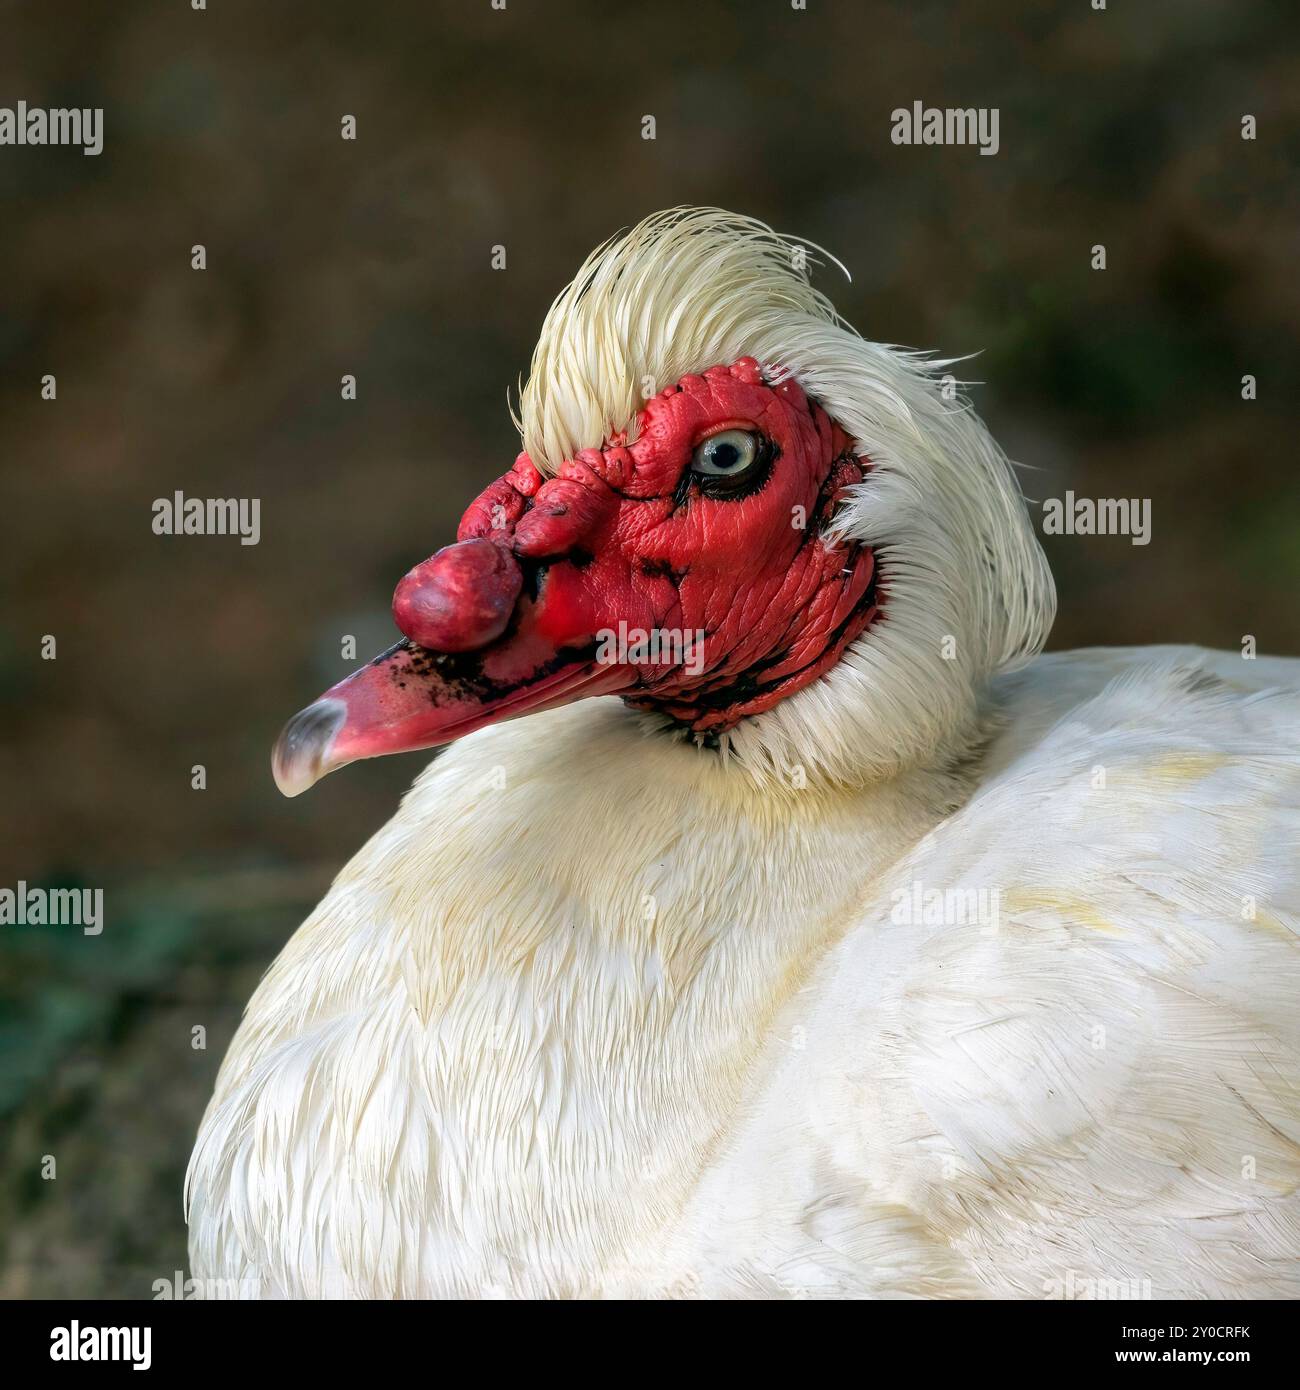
(596,1016)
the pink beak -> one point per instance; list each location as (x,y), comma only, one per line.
(477,649)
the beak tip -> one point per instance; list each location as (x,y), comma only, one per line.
(301,756)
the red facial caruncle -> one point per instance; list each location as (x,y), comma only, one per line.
(688,571)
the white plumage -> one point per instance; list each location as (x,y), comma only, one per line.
(600,1013)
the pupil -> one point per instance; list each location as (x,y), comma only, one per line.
(725,456)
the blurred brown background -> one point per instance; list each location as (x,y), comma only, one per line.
(521,127)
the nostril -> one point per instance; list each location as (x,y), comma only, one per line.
(459,599)
(564,512)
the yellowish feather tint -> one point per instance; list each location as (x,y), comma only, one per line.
(684,290)
(599,1013)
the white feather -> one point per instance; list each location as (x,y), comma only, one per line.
(640,1021)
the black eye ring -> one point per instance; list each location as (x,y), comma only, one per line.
(732,463)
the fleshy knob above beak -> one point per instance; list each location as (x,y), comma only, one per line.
(459,599)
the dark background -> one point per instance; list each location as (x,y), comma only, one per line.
(523,128)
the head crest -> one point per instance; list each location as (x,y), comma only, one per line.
(680,291)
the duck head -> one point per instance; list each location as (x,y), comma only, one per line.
(727,500)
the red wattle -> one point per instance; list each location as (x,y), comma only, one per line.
(459,599)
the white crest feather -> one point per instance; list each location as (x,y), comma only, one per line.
(684,289)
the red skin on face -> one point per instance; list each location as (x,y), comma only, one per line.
(514,617)
(625,538)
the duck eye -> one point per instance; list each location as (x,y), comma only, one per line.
(725,455)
